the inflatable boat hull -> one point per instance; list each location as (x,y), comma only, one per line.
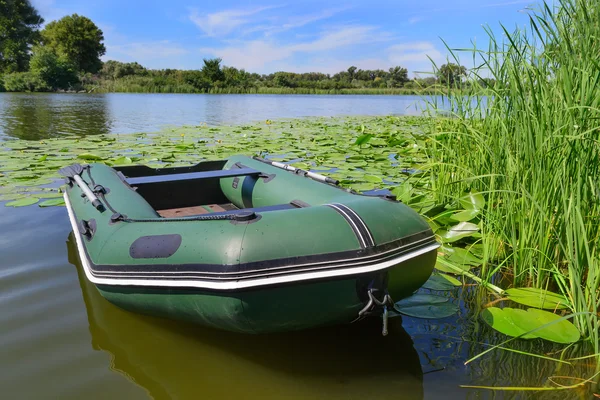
(281,252)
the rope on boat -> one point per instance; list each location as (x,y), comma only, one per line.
(374,304)
(232,217)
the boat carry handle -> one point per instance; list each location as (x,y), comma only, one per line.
(73,173)
(308,174)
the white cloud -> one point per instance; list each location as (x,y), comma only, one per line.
(224,22)
(300,21)
(143,51)
(414,55)
(415,20)
(253,56)
(346,36)
(257,55)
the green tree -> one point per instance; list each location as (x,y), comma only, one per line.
(398,76)
(56,72)
(351,72)
(451,74)
(24,82)
(19,23)
(77,39)
(212,70)
(116,69)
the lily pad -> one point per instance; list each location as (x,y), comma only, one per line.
(531,324)
(404,192)
(537,298)
(123,161)
(459,255)
(460,231)
(474,201)
(52,202)
(560,331)
(362,139)
(442,282)
(90,157)
(27,201)
(373,178)
(426,306)
(502,321)
(465,215)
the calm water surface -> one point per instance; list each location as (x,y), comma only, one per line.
(35,116)
(60,339)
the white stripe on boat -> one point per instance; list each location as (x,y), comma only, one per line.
(239,284)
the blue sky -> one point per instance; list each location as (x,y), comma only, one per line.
(299,36)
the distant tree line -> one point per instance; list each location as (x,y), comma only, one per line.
(65,55)
(213,77)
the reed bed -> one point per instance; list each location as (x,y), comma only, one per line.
(531,145)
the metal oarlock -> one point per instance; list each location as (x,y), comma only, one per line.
(73,172)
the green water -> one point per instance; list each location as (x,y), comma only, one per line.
(60,339)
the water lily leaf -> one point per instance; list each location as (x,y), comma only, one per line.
(473,201)
(472,204)
(123,161)
(443,265)
(372,178)
(502,321)
(442,282)
(301,165)
(403,192)
(422,298)
(460,231)
(426,306)
(362,139)
(360,187)
(465,215)
(537,298)
(377,142)
(27,201)
(562,331)
(52,202)
(460,256)
(89,157)
(48,195)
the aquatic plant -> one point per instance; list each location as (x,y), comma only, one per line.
(532,149)
(393,152)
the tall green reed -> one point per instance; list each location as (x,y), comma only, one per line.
(530,142)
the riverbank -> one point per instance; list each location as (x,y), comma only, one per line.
(186,89)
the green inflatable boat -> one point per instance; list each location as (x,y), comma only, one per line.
(244,244)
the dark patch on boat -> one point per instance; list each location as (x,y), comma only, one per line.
(156,246)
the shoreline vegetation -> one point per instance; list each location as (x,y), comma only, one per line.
(213,78)
(270,90)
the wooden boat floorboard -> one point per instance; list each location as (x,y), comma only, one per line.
(196,210)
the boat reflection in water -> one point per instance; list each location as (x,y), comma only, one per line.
(171,359)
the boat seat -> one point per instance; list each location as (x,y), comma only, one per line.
(221,173)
